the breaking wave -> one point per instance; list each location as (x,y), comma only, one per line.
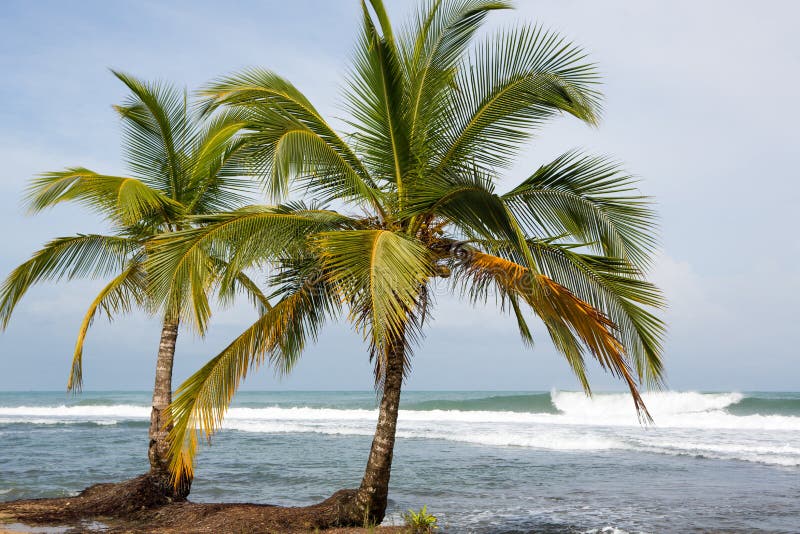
(727,426)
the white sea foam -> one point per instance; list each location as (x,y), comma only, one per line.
(688,423)
(605,530)
(553,440)
(669,410)
(123,411)
(661,403)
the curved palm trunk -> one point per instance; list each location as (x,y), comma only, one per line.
(372,495)
(162,397)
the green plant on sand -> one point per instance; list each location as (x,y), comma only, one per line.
(421,522)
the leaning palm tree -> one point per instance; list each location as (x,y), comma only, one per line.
(406,203)
(180,166)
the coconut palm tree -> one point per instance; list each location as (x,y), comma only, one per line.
(407,203)
(180,165)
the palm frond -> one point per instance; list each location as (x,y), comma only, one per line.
(380,274)
(158,132)
(125,201)
(511,85)
(184,265)
(118,296)
(612,285)
(571,322)
(241,283)
(591,200)
(618,289)
(219,165)
(290,152)
(240,238)
(277,111)
(468,203)
(376,100)
(79,256)
(432,47)
(280,334)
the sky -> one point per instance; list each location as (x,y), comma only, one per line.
(700,104)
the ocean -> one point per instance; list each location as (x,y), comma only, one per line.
(483,462)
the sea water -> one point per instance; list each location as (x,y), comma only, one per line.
(482,462)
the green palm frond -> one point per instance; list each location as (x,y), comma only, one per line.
(185,265)
(79,256)
(466,201)
(432,47)
(158,131)
(375,99)
(468,204)
(514,82)
(241,283)
(121,199)
(379,273)
(590,199)
(125,290)
(280,334)
(219,166)
(289,151)
(240,238)
(279,111)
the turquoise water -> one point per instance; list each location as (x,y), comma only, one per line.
(484,462)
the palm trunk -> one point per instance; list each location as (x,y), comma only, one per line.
(366,506)
(372,496)
(159,430)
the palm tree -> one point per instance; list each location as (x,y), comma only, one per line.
(180,166)
(434,116)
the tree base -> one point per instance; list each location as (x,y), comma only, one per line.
(343,510)
(120,499)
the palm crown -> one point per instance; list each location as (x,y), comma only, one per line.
(180,165)
(434,118)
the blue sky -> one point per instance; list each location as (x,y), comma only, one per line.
(701,104)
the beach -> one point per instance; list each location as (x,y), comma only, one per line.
(483,462)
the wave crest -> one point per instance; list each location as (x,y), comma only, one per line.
(686,423)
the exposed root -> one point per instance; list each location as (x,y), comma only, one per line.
(147,512)
(120,499)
